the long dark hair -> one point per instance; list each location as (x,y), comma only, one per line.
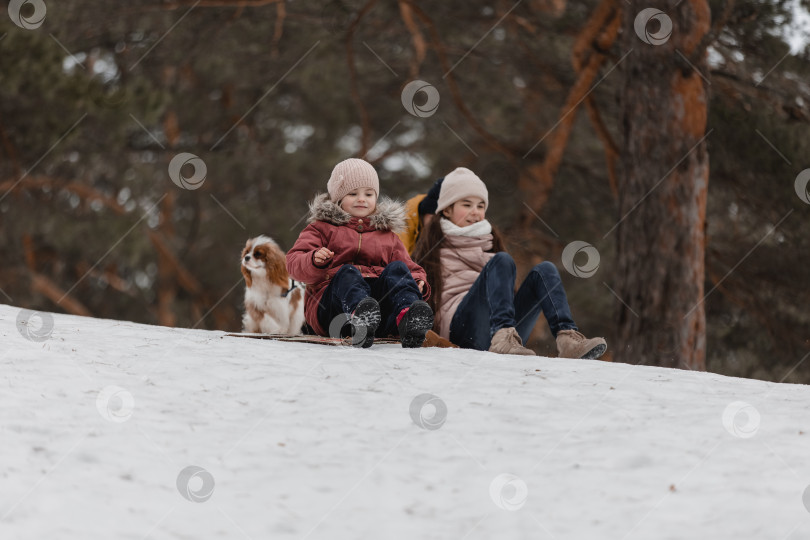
(426,254)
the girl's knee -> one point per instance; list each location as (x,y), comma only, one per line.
(398,266)
(348,270)
(546,268)
(503,258)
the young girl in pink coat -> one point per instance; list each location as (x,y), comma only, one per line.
(359,276)
(473,280)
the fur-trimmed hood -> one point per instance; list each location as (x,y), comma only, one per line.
(389,215)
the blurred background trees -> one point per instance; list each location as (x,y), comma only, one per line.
(533,96)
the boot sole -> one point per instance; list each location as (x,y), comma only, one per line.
(594,353)
(366,316)
(417,321)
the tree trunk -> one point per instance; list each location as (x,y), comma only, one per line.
(662,188)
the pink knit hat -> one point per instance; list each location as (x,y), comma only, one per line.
(459,184)
(351,174)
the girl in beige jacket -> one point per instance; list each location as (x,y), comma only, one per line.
(473,280)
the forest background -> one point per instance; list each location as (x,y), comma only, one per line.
(656,152)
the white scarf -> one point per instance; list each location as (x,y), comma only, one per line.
(476,229)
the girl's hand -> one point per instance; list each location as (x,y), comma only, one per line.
(421,285)
(323,255)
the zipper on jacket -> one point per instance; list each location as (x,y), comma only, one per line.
(359,244)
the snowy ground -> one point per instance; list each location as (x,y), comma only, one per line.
(307,441)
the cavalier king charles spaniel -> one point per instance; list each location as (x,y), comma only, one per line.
(274,304)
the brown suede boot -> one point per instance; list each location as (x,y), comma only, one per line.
(432,339)
(572,344)
(507,341)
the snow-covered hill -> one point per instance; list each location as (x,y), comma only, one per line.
(118,430)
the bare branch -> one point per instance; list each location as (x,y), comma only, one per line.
(281,14)
(419,45)
(365,125)
(84,191)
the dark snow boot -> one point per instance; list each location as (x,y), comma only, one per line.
(414,324)
(364,322)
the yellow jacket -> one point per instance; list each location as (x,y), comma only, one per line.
(413,225)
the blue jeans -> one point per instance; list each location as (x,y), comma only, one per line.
(395,290)
(492,304)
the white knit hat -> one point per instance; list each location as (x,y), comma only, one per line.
(459,184)
(351,174)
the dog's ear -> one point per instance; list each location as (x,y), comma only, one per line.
(247,276)
(277,267)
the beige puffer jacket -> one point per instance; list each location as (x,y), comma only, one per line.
(463,258)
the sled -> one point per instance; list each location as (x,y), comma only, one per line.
(319,340)
(432,339)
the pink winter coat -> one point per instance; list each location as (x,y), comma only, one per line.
(369,243)
(462,258)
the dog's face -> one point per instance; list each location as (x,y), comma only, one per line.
(262,259)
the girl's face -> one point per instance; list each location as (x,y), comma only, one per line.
(360,202)
(467,211)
